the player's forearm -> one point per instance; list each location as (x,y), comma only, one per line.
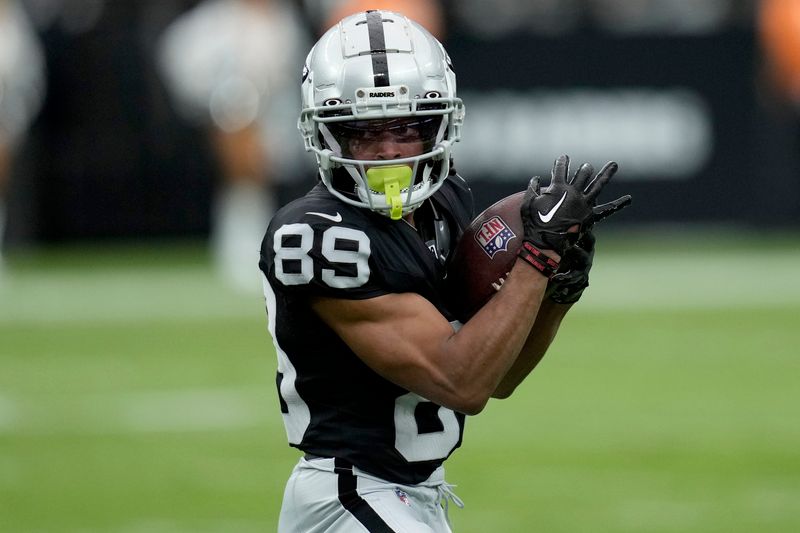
(544,330)
(405,339)
(488,345)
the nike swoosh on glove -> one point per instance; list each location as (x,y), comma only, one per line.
(548,213)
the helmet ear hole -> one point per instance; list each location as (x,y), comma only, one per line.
(331,102)
(433,94)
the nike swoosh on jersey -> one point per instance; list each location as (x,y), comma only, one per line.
(546,217)
(333,218)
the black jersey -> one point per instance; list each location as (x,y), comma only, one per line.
(333,404)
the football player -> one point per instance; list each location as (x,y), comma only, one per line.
(375,377)
(219,64)
(22,88)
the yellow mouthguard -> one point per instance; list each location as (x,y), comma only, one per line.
(390,180)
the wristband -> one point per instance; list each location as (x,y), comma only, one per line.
(538,260)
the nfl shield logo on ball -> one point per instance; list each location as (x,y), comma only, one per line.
(494,236)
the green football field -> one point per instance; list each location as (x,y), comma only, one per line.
(137,395)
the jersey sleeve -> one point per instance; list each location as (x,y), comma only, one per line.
(313,257)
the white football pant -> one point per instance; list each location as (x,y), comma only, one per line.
(330,496)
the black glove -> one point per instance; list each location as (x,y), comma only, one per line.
(548,213)
(572,277)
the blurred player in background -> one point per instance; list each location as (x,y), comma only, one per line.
(21,90)
(231,64)
(777,146)
(429,13)
(778,25)
(375,377)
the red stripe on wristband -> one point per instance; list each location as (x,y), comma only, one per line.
(538,260)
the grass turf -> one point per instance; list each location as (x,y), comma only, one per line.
(137,394)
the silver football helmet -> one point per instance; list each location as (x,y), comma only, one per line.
(375,74)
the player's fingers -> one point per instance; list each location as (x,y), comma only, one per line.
(533,189)
(594,187)
(582,176)
(560,169)
(606,210)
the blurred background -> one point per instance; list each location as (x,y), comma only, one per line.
(144,146)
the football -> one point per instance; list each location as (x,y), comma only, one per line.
(484,255)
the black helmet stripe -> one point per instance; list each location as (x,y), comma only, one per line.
(377,45)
